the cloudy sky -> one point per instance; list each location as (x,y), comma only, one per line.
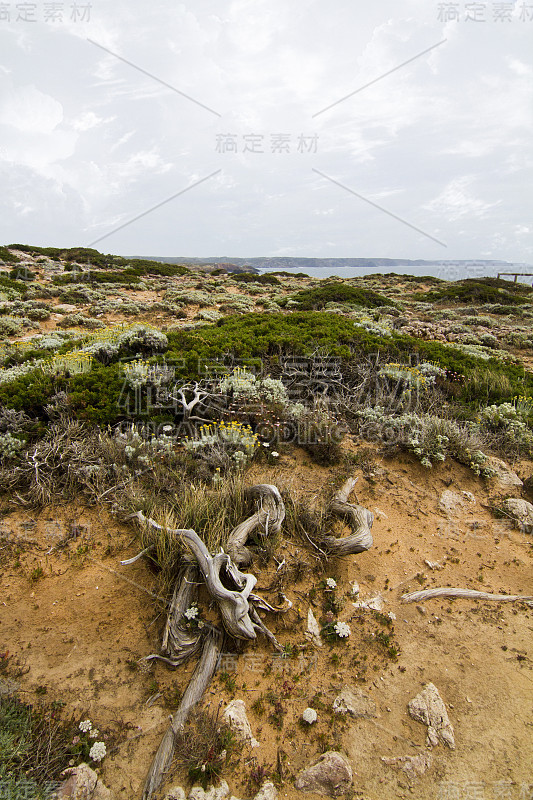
(398,128)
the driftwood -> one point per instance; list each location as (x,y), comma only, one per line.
(200,680)
(468,594)
(232,603)
(268,518)
(359,519)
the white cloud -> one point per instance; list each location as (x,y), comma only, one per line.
(443,139)
(457,201)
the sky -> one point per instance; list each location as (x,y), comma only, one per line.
(397,128)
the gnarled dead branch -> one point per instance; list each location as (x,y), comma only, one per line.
(200,680)
(359,519)
(468,594)
(268,518)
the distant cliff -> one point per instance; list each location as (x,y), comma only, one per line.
(303,264)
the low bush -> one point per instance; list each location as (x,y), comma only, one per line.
(337,292)
(250,277)
(476,291)
(7,257)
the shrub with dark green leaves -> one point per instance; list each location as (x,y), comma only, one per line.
(337,292)
(476,291)
(7,257)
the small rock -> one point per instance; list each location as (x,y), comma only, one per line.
(354,702)
(375,603)
(503,473)
(8,686)
(235,716)
(522,513)
(176,793)
(453,502)
(355,587)
(82,783)
(267,792)
(331,775)
(217,793)
(313,629)
(428,708)
(413,766)
(433,564)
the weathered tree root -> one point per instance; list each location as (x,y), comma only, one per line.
(268,517)
(359,519)
(469,594)
(237,605)
(200,680)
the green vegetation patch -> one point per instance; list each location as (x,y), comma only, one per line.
(250,277)
(337,292)
(7,257)
(125,276)
(477,291)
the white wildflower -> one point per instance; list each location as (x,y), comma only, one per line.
(191,613)
(266,444)
(94,733)
(85,726)
(331,583)
(275,454)
(309,716)
(342,630)
(97,751)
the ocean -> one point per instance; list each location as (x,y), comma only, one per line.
(448,272)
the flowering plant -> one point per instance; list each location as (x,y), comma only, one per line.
(84,746)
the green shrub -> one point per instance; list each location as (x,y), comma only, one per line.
(7,257)
(250,277)
(476,291)
(124,277)
(22,273)
(337,292)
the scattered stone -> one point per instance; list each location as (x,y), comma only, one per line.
(309,716)
(313,629)
(235,716)
(433,564)
(355,587)
(176,793)
(331,775)
(82,783)
(354,702)
(522,513)
(428,708)
(413,766)
(375,603)
(503,473)
(453,502)
(8,686)
(267,792)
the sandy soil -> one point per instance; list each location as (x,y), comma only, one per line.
(80,628)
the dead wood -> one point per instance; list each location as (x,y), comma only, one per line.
(469,594)
(201,678)
(268,519)
(359,519)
